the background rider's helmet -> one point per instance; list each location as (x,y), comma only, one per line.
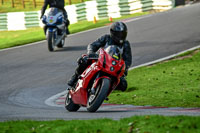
(118,32)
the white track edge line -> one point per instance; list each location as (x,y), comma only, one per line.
(165,58)
(51,101)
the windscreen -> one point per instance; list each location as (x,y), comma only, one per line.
(53,11)
(114,51)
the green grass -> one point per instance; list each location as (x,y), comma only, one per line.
(174,83)
(136,124)
(15,38)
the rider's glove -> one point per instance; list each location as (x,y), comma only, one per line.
(82,60)
(92,54)
(41,16)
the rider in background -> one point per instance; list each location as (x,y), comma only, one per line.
(60,4)
(117,36)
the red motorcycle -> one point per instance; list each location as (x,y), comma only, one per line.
(98,80)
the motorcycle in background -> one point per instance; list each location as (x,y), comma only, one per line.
(54,28)
(97,81)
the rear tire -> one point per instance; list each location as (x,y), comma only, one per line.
(95,100)
(69,104)
(50,41)
(62,43)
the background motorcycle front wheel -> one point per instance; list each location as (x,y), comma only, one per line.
(69,104)
(95,100)
(50,41)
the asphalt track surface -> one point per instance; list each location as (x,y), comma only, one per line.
(29,75)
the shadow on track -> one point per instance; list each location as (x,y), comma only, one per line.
(71,48)
(101,111)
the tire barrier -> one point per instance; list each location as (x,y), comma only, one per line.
(88,10)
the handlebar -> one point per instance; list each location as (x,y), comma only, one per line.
(93,56)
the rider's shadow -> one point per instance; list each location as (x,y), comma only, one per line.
(71,48)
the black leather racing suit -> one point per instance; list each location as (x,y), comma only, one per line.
(58,4)
(101,42)
(107,40)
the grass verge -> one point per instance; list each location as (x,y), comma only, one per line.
(15,38)
(136,124)
(174,83)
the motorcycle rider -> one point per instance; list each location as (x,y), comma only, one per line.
(117,36)
(60,5)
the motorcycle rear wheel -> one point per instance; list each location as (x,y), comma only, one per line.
(69,104)
(62,43)
(95,100)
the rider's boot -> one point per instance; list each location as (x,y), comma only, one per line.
(67,31)
(67,24)
(73,80)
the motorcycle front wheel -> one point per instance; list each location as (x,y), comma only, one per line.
(69,104)
(95,100)
(50,41)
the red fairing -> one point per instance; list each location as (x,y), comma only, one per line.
(98,79)
(111,67)
(80,95)
(105,60)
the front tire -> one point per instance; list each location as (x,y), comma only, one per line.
(50,41)
(69,104)
(95,100)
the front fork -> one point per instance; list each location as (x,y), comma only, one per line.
(96,82)
(93,89)
(52,30)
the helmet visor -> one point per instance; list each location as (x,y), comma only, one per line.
(120,36)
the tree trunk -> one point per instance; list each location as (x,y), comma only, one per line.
(70,2)
(34,3)
(13,4)
(23,3)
